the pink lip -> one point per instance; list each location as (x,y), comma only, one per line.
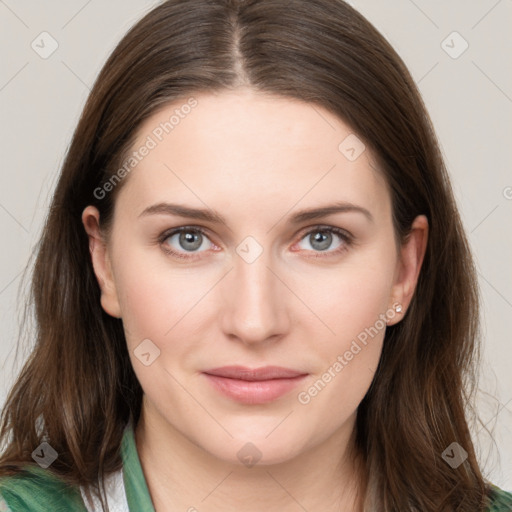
(254,386)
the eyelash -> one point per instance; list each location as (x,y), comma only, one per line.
(342,234)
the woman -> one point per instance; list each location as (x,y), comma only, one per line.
(253,290)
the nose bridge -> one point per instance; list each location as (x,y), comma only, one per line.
(255,309)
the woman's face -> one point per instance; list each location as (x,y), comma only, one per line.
(265,285)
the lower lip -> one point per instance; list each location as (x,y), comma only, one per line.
(254,392)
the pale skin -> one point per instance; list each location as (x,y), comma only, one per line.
(256,160)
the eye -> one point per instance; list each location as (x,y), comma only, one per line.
(184,240)
(320,238)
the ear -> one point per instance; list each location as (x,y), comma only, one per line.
(101,261)
(408,266)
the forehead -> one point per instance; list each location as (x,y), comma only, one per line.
(255,149)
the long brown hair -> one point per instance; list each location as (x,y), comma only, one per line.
(78,390)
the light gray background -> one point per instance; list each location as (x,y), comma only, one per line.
(469,99)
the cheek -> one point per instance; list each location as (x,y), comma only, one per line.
(352,297)
(154,299)
(356,316)
(158,305)
(353,307)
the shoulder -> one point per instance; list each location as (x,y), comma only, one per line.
(499,500)
(38,490)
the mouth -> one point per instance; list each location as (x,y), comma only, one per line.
(254,386)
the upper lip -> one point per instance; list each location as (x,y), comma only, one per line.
(263,373)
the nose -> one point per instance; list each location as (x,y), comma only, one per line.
(255,302)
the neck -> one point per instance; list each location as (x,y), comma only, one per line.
(183,476)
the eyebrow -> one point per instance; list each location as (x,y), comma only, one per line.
(214,217)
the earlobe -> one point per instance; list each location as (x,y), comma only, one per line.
(101,261)
(409,265)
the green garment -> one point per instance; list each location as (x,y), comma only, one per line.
(38,490)
(41,491)
(500,500)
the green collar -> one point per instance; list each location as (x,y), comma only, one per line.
(39,490)
(137,493)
